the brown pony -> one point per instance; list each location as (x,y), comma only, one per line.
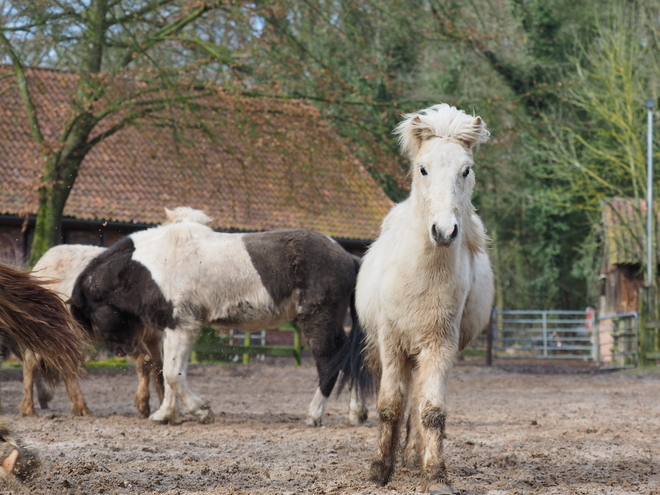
(37,319)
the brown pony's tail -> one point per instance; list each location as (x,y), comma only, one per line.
(39,320)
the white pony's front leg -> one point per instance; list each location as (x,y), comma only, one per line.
(177,346)
(316,409)
(434,367)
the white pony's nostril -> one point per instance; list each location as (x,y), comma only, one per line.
(434,232)
(454,232)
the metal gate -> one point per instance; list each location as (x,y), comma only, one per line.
(549,334)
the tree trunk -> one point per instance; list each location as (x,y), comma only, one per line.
(59,176)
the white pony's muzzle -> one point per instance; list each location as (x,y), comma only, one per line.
(443,237)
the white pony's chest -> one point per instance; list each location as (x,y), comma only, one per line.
(406,292)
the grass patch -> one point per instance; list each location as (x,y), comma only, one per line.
(117,363)
(12,364)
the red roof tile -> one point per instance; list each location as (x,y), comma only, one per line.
(265,164)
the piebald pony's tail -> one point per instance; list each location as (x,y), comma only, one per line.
(350,359)
(37,319)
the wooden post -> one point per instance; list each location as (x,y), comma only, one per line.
(647,313)
(297,348)
(246,342)
(489,339)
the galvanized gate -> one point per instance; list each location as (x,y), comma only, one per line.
(611,341)
(549,334)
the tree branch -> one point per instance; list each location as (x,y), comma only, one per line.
(164,33)
(28,103)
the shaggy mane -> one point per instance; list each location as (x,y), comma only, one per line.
(441,121)
(186,214)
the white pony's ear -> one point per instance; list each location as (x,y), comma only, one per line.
(169,214)
(475,133)
(412,132)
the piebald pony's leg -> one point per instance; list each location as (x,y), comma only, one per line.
(434,367)
(357,409)
(177,346)
(316,409)
(394,382)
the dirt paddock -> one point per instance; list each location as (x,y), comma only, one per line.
(516,428)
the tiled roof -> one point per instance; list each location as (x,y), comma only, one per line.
(269,164)
(624,220)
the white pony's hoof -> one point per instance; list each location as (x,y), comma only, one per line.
(204,415)
(310,421)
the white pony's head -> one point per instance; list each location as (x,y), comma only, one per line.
(439,142)
(186,214)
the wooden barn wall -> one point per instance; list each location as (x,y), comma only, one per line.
(15,242)
(621,288)
(12,249)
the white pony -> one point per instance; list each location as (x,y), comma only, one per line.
(425,289)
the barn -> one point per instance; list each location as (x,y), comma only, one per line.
(622,277)
(256,164)
(624,252)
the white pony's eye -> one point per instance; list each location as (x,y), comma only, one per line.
(466,172)
(423,170)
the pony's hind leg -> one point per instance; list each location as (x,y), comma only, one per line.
(78,404)
(44,393)
(177,346)
(357,409)
(394,383)
(326,336)
(30,367)
(316,409)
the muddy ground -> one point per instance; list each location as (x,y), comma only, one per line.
(516,428)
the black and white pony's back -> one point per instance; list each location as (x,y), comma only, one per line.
(181,276)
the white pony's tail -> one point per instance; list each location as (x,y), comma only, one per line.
(350,359)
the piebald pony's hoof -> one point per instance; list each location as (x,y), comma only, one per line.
(356,418)
(163,417)
(204,415)
(310,421)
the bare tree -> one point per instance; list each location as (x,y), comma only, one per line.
(131,58)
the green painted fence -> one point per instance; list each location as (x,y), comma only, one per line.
(213,347)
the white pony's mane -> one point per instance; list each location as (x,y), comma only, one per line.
(186,214)
(182,224)
(441,121)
